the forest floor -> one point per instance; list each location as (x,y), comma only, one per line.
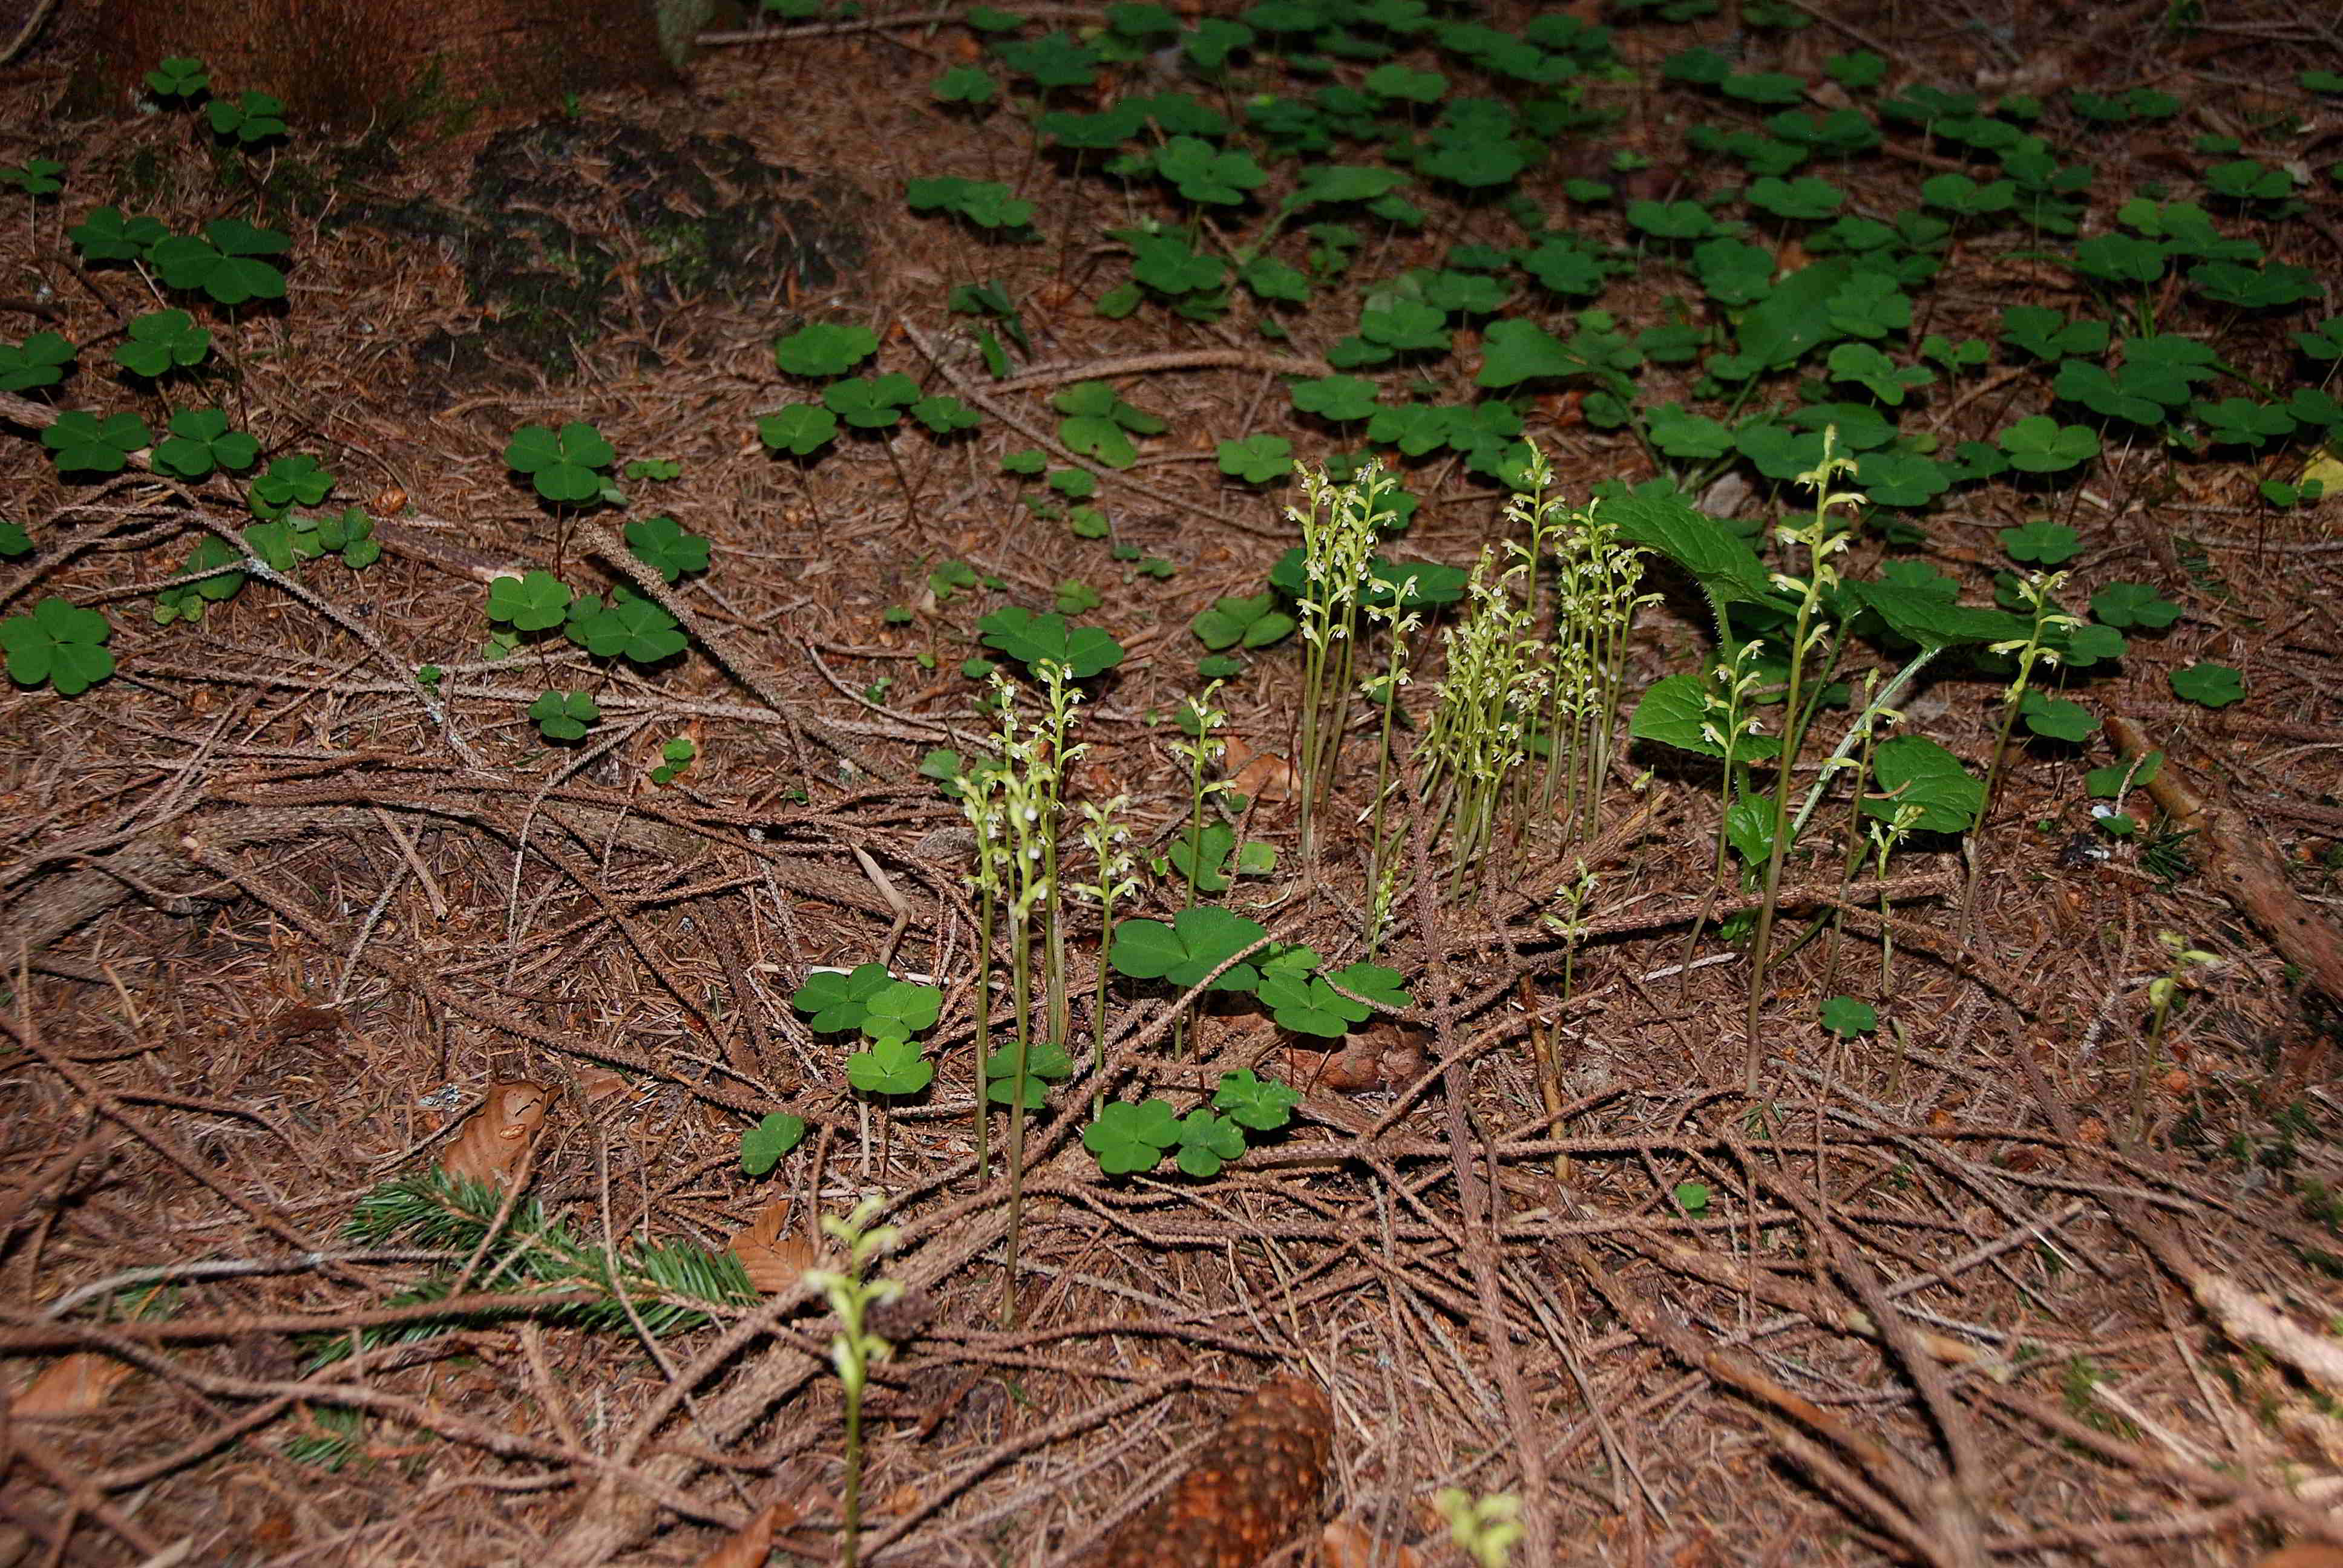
(506,767)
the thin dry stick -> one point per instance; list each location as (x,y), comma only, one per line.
(1483,1211)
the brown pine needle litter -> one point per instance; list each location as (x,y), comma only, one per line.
(1251,1487)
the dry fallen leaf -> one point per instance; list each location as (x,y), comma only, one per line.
(1252,1486)
(598,1082)
(748,1546)
(75,1384)
(1347,1546)
(300,1022)
(773,1261)
(2304,1554)
(1264,775)
(1384,1055)
(494,1137)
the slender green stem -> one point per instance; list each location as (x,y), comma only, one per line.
(1762,944)
(1019,924)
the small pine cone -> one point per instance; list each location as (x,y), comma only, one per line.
(1254,1486)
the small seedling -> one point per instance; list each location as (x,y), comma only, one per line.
(1486,1528)
(856,1344)
(1847,1017)
(674,758)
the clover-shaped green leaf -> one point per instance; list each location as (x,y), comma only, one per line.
(34,176)
(1257,459)
(2213,685)
(1046,1062)
(631,628)
(248,118)
(871,402)
(2038,444)
(1196,942)
(1262,1104)
(892,1065)
(2243,422)
(1238,621)
(295,479)
(1671,220)
(178,76)
(81,443)
(1846,1016)
(59,643)
(1868,368)
(1514,351)
(2091,643)
(824,348)
(2041,541)
(1053,60)
(660,544)
(1203,172)
(1405,324)
(1168,265)
(39,361)
(1207,1143)
(1308,1005)
(1805,197)
(201,441)
(108,234)
(1030,639)
(762,1146)
(965,85)
(1386,988)
(901,1008)
(564,714)
(161,341)
(562,464)
(797,429)
(2134,604)
(1339,398)
(2096,389)
(349,535)
(529,603)
(840,1001)
(2108,783)
(225,263)
(987,204)
(2055,718)
(2323,342)
(674,758)
(946,416)
(1128,1138)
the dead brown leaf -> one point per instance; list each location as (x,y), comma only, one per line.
(2304,1554)
(598,1082)
(1347,1546)
(1262,775)
(773,1261)
(748,1546)
(494,1137)
(1384,1055)
(75,1384)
